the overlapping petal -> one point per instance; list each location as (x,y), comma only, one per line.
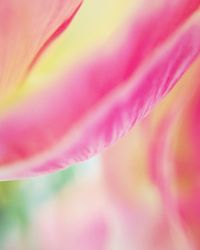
(27,28)
(174,158)
(163,150)
(85,111)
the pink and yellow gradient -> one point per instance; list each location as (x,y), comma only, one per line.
(91,104)
(27,28)
(146,193)
(142,194)
(65,100)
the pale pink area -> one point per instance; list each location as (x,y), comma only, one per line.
(85,217)
(87,110)
(79,220)
(139,203)
(87,234)
(27,28)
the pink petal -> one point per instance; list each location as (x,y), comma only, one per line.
(27,28)
(151,145)
(187,166)
(104,96)
(174,154)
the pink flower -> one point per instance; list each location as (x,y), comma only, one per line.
(97,102)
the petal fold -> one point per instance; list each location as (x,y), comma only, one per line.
(27,28)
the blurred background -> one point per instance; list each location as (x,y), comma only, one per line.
(140,194)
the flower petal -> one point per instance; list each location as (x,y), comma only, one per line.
(103,97)
(161,146)
(27,28)
(174,156)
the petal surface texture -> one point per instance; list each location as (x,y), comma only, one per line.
(101,98)
(27,28)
